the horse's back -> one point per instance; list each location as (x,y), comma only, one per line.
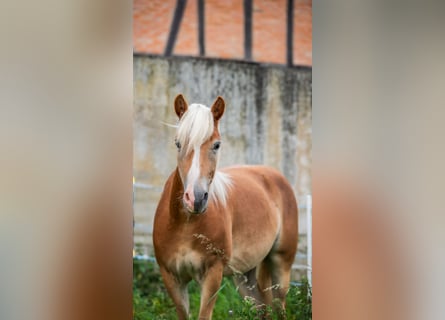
(270,181)
(270,178)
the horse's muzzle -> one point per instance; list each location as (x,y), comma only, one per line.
(196,201)
(200,204)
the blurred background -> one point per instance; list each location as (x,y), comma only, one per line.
(257,55)
(68,120)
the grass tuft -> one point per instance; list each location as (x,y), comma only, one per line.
(151,301)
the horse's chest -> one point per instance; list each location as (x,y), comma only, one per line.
(186,263)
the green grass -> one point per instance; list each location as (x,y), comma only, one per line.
(151,301)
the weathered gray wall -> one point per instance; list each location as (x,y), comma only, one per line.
(267,120)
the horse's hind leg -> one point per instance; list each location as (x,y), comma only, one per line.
(252,283)
(255,284)
(247,285)
(280,267)
(178,292)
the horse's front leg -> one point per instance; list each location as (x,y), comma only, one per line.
(210,284)
(178,292)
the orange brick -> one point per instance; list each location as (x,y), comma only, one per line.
(224,29)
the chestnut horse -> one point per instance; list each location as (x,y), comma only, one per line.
(209,223)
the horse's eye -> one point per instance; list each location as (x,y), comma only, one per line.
(216,145)
(178,145)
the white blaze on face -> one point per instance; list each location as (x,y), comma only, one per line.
(193,174)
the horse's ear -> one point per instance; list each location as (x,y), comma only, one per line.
(218,108)
(180,105)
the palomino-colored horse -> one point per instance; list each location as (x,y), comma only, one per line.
(236,221)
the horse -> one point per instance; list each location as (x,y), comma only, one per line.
(240,221)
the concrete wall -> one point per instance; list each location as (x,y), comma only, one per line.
(267,121)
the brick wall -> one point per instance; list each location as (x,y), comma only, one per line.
(224,29)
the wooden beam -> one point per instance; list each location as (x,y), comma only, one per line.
(174,28)
(290,33)
(248,29)
(201,27)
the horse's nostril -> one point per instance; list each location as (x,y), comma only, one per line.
(206,195)
(187,197)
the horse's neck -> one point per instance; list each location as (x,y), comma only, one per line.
(177,190)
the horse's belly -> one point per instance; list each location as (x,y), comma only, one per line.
(244,259)
(251,245)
